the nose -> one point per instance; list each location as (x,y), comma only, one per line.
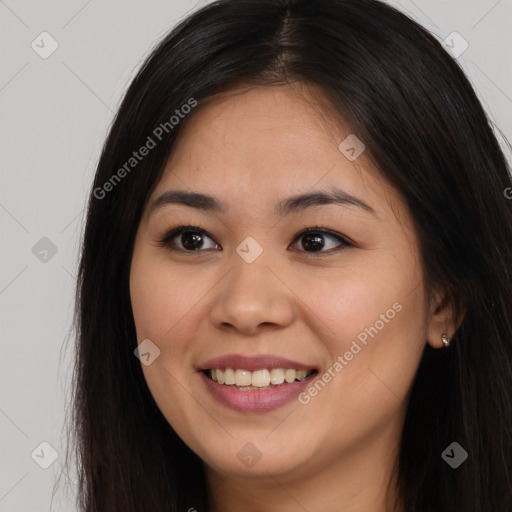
(252,297)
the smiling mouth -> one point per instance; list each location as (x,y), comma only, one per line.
(264,379)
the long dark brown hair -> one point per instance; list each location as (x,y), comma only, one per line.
(425,130)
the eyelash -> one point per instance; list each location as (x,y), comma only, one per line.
(175,231)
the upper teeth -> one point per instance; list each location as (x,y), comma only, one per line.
(259,378)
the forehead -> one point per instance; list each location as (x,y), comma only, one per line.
(258,144)
(272,116)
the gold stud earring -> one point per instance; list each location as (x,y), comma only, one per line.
(446,340)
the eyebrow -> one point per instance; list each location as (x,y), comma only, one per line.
(287,206)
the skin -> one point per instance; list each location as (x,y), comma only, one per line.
(253,147)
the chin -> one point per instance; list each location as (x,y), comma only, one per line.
(257,460)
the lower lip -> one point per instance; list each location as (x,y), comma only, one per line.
(255,401)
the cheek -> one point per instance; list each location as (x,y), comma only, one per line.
(163,301)
(374,318)
(162,298)
(345,302)
(375,334)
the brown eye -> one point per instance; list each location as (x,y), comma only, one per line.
(187,239)
(193,239)
(313,240)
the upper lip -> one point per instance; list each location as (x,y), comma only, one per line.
(253,363)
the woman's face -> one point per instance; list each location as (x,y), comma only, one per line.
(349,304)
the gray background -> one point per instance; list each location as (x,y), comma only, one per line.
(54,116)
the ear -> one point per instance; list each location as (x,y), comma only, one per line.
(442,319)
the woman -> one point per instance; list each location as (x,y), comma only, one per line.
(294,290)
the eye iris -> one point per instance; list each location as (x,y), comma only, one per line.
(191,240)
(313,242)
